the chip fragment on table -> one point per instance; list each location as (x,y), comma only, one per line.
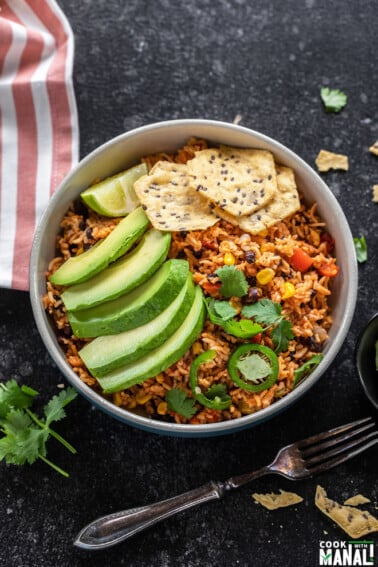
(375,193)
(273,501)
(328,160)
(355,522)
(374,148)
(239,181)
(356,500)
(170,201)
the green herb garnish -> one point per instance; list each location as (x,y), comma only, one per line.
(178,402)
(304,370)
(333,99)
(223,309)
(234,282)
(220,313)
(361,248)
(25,434)
(218,392)
(253,367)
(267,312)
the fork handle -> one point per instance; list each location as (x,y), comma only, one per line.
(114,528)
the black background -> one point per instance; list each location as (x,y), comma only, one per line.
(138,62)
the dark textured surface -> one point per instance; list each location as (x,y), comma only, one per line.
(138,62)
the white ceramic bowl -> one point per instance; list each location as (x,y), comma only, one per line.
(125,150)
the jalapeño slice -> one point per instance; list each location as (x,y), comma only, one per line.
(216,397)
(253,367)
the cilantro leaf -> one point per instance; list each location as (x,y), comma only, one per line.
(234,282)
(31,445)
(54,409)
(243,329)
(254,368)
(217,391)
(15,422)
(264,311)
(333,99)
(178,402)
(269,313)
(223,309)
(361,248)
(282,334)
(24,433)
(15,396)
(304,370)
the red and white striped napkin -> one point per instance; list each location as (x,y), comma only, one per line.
(38,124)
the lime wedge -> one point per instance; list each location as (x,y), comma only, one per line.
(115,196)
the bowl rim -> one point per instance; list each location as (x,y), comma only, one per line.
(364,332)
(168,428)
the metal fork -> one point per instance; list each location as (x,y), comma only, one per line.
(300,460)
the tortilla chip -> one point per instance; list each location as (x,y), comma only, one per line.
(356,500)
(356,523)
(273,501)
(375,193)
(328,160)
(283,204)
(170,201)
(239,181)
(374,148)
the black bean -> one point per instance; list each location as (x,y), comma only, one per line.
(212,276)
(313,344)
(251,281)
(250,257)
(253,295)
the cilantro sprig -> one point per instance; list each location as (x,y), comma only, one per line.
(178,402)
(303,371)
(234,282)
(333,99)
(221,313)
(269,313)
(24,433)
(361,248)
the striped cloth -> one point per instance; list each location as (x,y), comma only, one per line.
(38,124)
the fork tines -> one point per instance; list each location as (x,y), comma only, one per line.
(337,445)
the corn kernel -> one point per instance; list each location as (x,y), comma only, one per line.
(117,399)
(162,408)
(197,348)
(142,399)
(265,276)
(132,404)
(160,378)
(263,232)
(289,290)
(229,259)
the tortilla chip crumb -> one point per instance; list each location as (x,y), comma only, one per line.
(375,193)
(328,160)
(356,500)
(356,523)
(374,148)
(273,501)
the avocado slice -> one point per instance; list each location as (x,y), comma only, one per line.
(82,267)
(115,196)
(121,276)
(162,357)
(105,354)
(135,308)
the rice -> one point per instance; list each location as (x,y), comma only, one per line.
(308,310)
